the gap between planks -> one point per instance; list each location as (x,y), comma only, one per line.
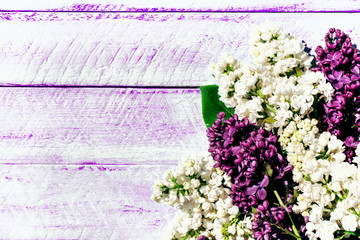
(105,86)
(87,164)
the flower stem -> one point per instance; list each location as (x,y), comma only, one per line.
(269,107)
(296,232)
(286,231)
(354,212)
(187,234)
(260,94)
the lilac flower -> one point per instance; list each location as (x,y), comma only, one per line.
(263,230)
(336,117)
(262,224)
(340,63)
(241,151)
(334,59)
(268,216)
(350,147)
(356,58)
(253,160)
(354,77)
(338,79)
(258,189)
(339,102)
(319,52)
(202,237)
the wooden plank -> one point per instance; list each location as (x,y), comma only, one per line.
(81,202)
(133,49)
(99,125)
(185,5)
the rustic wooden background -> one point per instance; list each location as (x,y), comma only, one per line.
(99,100)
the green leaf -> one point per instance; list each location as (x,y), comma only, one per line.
(294,197)
(298,72)
(253,210)
(270,120)
(260,94)
(269,170)
(211,104)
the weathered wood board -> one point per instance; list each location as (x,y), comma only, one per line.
(81,202)
(139,49)
(78,162)
(99,125)
(184,5)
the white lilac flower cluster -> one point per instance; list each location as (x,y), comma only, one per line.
(329,186)
(277,86)
(202,194)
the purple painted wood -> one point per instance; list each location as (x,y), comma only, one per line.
(81,202)
(186,6)
(99,125)
(78,163)
(136,49)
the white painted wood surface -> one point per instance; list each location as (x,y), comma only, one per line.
(79,163)
(99,125)
(81,202)
(136,49)
(184,5)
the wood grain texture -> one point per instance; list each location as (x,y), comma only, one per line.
(79,163)
(185,5)
(132,49)
(99,125)
(81,202)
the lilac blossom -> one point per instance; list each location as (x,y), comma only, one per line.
(252,158)
(259,189)
(340,63)
(202,237)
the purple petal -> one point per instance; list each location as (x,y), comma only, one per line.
(264,182)
(338,85)
(266,204)
(232,131)
(252,190)
(227,141)
(338,74)
(344,79)
(356,70)
(235,150)
(337,55)
(261,194)
(354,77)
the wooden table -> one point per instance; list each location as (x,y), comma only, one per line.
(99,100)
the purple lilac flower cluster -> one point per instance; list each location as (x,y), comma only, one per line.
(260,174)
(269,215)
(340,63)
